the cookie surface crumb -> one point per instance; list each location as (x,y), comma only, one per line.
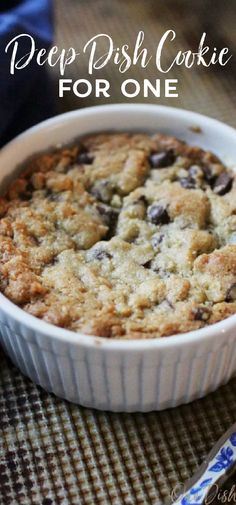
(123,236)
(195,129)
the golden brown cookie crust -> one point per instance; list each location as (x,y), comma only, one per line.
(123,236)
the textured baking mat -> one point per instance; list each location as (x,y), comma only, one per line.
(53,452)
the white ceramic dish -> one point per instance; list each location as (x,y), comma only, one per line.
(119,375)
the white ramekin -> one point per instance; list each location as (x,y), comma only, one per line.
(119,375)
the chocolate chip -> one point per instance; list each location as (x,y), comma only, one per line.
(84,158)
(223,184)
(35,240)
(157,240)
(158,214)
(27,193)
(163,159)
(53,261)
(147,264)
(170,303)
(141,199)
(108,214)
(103,191)
(30,187)
(208,175)
(231,294)
(187,182)
(130,240)
(101,255)
(195,171)
(52,197)
(25,196)
(201,314)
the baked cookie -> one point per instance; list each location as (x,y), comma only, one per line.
(123,236)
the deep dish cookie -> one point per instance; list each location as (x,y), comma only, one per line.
(122,235)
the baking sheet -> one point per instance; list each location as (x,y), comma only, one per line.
(53,452)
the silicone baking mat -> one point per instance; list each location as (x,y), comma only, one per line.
(53,452)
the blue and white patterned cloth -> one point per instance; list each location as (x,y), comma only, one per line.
(25,97)
(205,489)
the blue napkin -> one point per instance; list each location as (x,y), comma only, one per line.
(25,97)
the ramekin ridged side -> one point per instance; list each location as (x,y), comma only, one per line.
(149,377)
